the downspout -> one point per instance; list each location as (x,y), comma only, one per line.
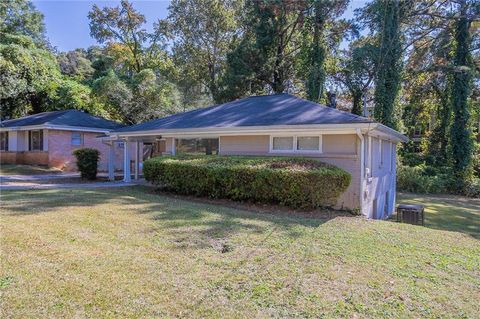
(362,168)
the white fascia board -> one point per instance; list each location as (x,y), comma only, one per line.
(252,130)
(389,134)
(55,127)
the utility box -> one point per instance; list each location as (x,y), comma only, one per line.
(411,214)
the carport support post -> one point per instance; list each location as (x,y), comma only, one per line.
(127,178)
(136,159)
(111,161)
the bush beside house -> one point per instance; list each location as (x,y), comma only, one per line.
(431,180)
(294,182)
(87,162)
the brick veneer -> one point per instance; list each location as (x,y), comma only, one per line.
(60,150)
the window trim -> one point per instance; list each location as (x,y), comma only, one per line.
(6,148)
(295,149)
(30,141)
(81,138)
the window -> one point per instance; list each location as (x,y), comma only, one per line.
(308,143)
(282,143)
(296,144)
(417,132)
(4,141)
(380,144)
(197,146)
(76,138)
(35,140)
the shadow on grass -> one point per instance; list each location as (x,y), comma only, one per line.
(181,217)
(447,212)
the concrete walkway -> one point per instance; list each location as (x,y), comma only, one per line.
(38,177)
(27,186)
(53,181)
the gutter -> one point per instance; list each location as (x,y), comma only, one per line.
(362,168)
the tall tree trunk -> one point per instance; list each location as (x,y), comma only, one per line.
(316,74)
(357,102)
(388,76)
(461,135)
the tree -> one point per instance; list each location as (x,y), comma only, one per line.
(389,64)
(203,31)
(356,70)
(19,17)
(461,136)
(76,65)
(123,27)
(266,55)
(29,76)
(317,22)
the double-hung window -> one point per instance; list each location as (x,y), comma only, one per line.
(76,138)
(35,140)
(296,144)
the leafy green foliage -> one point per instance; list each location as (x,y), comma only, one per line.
(19,17)
(87,162)
(203,32)
(295,182)
(461,138)
(389,66)
(433,180)
(29,76)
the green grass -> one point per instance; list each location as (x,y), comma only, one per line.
(10,169)
(128,253)
(448,212)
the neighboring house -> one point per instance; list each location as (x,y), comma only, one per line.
(50,138)
(279,125)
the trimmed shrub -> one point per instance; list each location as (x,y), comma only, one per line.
(87,162)
(294,182)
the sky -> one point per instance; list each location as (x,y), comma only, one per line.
(67,22)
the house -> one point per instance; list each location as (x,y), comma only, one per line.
(49,139)
(279,125)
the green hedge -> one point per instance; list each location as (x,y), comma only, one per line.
(294,182)
(87,162)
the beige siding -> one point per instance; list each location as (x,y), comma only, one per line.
(340,144)
(244,145)
(380,184)
(342,153)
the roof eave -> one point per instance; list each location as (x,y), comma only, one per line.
(247,129)
(55,127)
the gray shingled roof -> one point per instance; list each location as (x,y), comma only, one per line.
(265,110)
(67,118)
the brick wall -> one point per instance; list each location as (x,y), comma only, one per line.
(8,157)
(60,149)
(24,158)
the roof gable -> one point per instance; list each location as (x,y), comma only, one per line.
(266,110)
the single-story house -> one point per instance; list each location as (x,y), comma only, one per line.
(49,139)
(278,125)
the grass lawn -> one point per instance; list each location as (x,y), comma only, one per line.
(128,253)
(10,169)
(448,212)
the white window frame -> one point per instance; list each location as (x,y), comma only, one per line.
(295,144)
(380,148)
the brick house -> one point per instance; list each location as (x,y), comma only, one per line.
(49,139)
